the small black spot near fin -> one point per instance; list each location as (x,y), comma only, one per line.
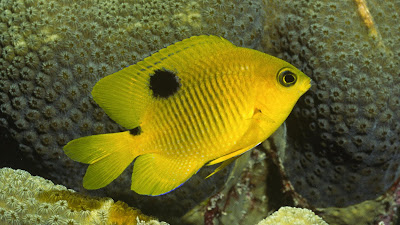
(135,131)
(164,83)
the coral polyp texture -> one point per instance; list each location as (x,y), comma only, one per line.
(293,216)
(26,199)
(343,135)
(367,212)
(53,52)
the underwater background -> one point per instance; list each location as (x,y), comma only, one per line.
(337,154)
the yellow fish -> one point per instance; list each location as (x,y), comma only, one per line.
(200,101)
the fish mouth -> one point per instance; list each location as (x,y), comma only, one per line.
(306,85)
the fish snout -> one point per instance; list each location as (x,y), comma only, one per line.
(307,83)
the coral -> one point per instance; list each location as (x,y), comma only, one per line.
(290,215)
(383,210)
(53,52)
(346,126)
(26,199)
(365,212)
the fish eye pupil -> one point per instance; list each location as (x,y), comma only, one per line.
(287,78)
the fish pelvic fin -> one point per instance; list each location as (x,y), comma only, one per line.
(223,165)
(107,154)
(157,174)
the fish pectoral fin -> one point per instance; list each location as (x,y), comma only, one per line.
(223,165)
(107,154)
(251,138)
(258,115)
(157,174)
(262,125)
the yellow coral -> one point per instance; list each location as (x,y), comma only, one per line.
(292,216)
(26,199)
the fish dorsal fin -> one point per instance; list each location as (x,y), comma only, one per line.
(185,56)
(126,94)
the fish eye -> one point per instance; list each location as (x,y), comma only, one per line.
(287,78)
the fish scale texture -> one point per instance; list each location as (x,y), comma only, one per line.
(203,101)
(343,135)
(53,52)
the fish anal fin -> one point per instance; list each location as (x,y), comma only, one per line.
(157,174)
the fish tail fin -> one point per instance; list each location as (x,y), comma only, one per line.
(157,174)
(107,154)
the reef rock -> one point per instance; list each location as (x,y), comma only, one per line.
(344,134)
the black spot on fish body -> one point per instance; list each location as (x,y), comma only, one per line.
(135,131)
(164,83)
